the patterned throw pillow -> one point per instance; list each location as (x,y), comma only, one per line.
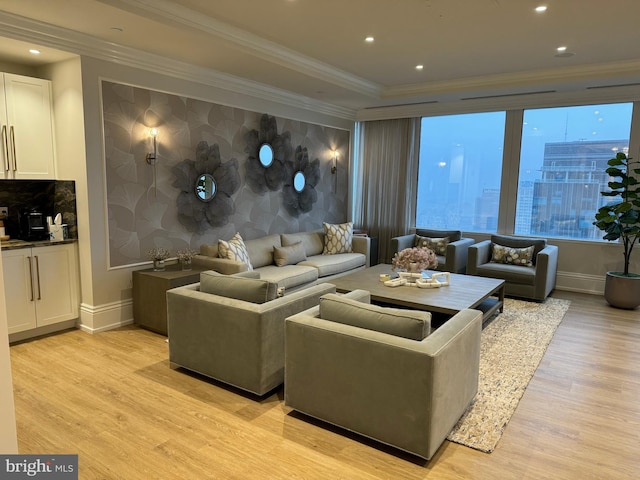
(234,249)
(438,245)
(337,238)
(512,256)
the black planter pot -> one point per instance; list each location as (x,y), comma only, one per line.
(622,291)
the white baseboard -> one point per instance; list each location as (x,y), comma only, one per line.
(94,319)
(573,282)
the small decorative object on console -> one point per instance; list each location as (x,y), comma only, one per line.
(184,256)
(158,255)
(422,257)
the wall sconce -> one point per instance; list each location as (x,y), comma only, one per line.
(334,159)
(151,156)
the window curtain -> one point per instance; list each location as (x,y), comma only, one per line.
(386,183)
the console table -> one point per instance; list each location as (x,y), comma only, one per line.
(150,294)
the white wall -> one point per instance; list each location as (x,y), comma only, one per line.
(8,436)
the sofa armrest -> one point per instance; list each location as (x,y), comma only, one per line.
(457,254)
(402,242)
(478,254)
(362,245)
(220,265)
(399,391)
(546,269)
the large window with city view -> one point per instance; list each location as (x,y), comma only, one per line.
(459,171)
(563,158)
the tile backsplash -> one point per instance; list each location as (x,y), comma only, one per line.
(47,196)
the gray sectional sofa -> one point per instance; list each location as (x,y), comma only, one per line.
(295,269)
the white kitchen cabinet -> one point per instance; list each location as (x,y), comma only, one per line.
(41,286)
(26,128)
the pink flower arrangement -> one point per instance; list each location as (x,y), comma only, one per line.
(424,258)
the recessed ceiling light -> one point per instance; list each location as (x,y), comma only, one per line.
(369,39)
(419,67)
(541,8)
(34,51)
(562,49)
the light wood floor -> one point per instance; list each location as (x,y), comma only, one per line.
(112,398)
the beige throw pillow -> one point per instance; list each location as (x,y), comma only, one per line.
(234,249)
(337,238)
(289,255)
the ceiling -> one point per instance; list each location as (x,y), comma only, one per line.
(316,49)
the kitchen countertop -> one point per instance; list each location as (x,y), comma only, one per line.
(16,244)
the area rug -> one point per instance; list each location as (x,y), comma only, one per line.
(513,344)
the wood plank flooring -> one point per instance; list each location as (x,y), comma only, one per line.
(112,398)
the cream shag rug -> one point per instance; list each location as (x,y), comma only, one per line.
(513,344)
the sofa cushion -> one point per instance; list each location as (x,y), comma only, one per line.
(511,255)
(313,241)
(518,242)
(239,288)
(234,249)
(337,238)
(454,235)
(289,255)
(437,244)
(411,324)
(260,250)
(290,276)
(333,264)
(509,273)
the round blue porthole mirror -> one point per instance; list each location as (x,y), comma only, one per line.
(265,155)
(299,182)
(206,187)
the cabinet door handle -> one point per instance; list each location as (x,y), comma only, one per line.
(5,141)
(38,276)
(31,277)
(13,149)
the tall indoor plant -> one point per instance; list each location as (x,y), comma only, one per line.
(620,220)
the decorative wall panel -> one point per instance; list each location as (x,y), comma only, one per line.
(142,199)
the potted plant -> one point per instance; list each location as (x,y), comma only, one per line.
(620,220)
(414,259)
(185,256)
(158,255)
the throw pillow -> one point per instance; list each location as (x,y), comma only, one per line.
(438,245)
(512,255)
(239,288)
(411,324)
(234,249)
(289,255)
(337,238)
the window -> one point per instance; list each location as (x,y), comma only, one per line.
(563,159)
(460,171)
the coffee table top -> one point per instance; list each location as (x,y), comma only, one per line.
(464,291)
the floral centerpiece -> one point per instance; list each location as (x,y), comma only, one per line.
(184,256)
(158,255)
(415,259)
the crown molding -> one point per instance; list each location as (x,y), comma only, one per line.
(174,15)
(21,28)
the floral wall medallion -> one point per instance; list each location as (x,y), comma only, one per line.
(264,176)
(206,185)
(299,191)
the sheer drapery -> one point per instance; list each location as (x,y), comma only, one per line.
(387,180)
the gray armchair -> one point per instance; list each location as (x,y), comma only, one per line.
(238,342)
(454,259)
(534,282)
(403,392)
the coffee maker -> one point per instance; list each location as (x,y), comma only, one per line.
(33,225)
